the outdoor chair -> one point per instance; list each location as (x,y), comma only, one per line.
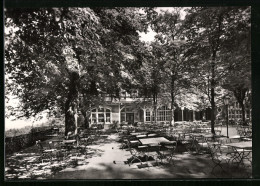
(86,140)
(217,157)
(152,152)
(167,151)
(239,155)
(201,144)
(45,153)
(187,141)
(137,155)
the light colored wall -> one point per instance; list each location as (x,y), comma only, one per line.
(115,117)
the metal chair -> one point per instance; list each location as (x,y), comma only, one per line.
(218,158)
(135,154)
(167,151)
(45,153)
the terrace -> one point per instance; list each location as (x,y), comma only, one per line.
(186,150)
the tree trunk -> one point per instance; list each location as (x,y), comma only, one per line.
(213,110)
(71,102)
(155,108)
(212,93)
(172,115)
(243,111)
(69,118)
(240,94)
(172,101)
(84,114)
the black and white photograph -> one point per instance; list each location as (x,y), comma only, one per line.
(119,93)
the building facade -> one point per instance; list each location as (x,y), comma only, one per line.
(130,109)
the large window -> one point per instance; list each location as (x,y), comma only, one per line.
(163,114)
(101,115)
(148,116)
(234,111)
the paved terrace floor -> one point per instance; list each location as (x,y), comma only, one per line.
(186,166)
(105,160)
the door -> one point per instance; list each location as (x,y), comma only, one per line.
(130,118)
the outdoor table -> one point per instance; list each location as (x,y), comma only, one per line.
(241,150)
(241,145)
(69,141)
(148,141)
(151,135)
(134,143)
(141,136)
(137,133)
(235,137)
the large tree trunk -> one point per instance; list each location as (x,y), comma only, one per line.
(71,102)
(240,94)
(155,107)
(212,93)
(243,113)
(69,117)
(213,110)
(172,101)
(86,118)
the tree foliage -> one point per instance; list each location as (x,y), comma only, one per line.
(209,34)
(58,55)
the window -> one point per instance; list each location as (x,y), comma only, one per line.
(94,118)
(101,115)
(122,116)
(147,116)
(168,115)
(163,114)
(107,116)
